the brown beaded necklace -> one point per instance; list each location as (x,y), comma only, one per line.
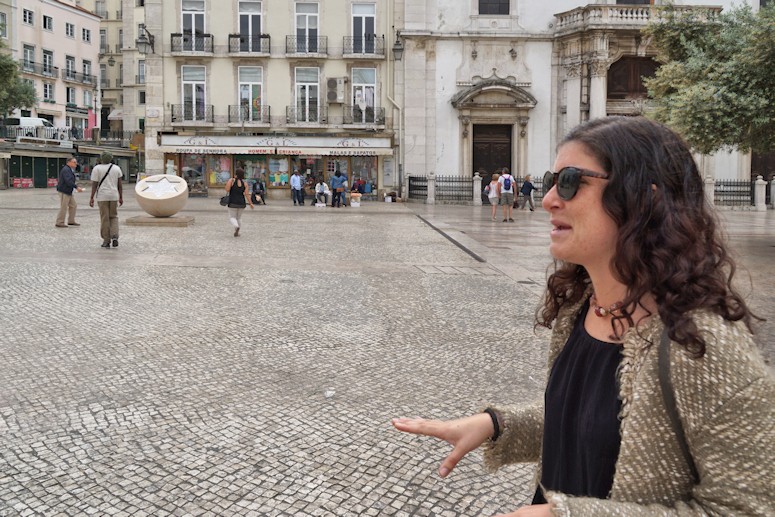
(602,312)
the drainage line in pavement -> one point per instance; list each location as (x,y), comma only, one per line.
(453,241)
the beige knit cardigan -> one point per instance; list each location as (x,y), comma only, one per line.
(726,402)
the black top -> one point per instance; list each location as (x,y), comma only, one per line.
(237,194)
(581,424)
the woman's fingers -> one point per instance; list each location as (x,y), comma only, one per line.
(419,426)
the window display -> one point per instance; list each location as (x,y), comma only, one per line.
(193,171)
(310,168)
(218,169)
(365,170)
(255,167)
(278,171)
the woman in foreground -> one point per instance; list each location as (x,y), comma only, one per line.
(637,252)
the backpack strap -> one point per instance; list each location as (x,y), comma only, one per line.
(668,395)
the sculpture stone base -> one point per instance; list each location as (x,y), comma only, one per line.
(145,220)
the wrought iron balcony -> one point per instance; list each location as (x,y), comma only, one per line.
(255,44)
(191,42)
(77,77)
(311,115)
(102,13)
(306,45)
(249,114)
(31,67)
(192,113)
(139,79)
(367,115)
(368,45)
(104,83)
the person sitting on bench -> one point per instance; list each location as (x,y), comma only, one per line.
(322,191)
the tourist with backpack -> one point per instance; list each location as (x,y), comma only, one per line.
(507,194)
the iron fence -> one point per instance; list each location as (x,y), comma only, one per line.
(736,193)
(454,188)
(309,114)
(418,187)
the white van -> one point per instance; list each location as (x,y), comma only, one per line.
(33,126)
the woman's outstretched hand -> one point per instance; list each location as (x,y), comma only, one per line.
(464,434)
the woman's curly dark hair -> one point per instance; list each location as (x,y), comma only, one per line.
(669,243)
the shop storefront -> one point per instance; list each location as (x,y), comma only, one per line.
(209,161)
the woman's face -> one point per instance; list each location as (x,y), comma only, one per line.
(582,232)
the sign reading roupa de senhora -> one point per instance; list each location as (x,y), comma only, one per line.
(282,145)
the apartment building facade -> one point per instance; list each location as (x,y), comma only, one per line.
(269,87)
(56,45)
(486,84)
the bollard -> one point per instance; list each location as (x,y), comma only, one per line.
(710,190)
(759,195)
(431,200)
(477,189)
(772,192)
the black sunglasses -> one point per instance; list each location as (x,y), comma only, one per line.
(568,180)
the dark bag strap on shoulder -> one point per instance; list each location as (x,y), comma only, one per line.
(105,176)
(668,395)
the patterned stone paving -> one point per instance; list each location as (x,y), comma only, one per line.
(191,373)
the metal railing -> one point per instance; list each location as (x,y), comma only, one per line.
(736,193)
(117,138)
(367,115)
(104,83)
(249,114)
(454,188)
(256,43)
(418,187)
(294,115)
(102,13)
(370,45)
(139,79)
(306,45)
(191,42)
(78,77)
(192,113)
(32,67)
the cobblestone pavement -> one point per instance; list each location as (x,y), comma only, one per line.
(191,373)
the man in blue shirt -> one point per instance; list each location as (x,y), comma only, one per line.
(65,186)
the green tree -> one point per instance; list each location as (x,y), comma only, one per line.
(716,84)
(14,93)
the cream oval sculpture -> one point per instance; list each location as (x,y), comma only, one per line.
(162,195)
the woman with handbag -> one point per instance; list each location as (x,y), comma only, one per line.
(239,198)
(658,401)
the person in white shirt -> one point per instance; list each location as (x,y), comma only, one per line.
(106,187)
(322,191)
(297,189)
(507,194)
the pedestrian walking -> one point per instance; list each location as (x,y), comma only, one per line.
(658,401)
(238,199)
(493,191)
(297,189)
(65,185)
(106,189)
(527,193)
(507,189)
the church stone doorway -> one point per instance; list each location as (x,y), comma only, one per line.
(492,149)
